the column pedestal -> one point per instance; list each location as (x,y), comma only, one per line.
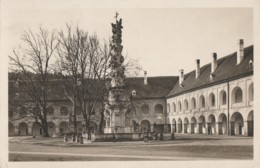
(196,128)
(217,128)
(56,132)
(188,128)
(30,131)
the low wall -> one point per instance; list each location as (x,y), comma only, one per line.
(130,137)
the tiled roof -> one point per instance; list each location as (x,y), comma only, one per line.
(167,86)
(157,87)
(227,68)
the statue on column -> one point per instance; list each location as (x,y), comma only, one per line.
(116,113)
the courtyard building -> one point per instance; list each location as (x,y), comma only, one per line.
(216,98)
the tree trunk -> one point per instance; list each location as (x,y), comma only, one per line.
(75,123)
(75,117)
(101,124)
(45,128)
(87,128)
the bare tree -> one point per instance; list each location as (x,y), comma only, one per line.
(68,63)
(33,62)
(83,63)
(97,80)
(132,67)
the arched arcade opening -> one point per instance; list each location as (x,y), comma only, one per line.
(186,125)
(222,124)
(23,129)
(193,125)
(36,128)
(64,127)
(202,129)
(145,125)
(179,125)
(237,124)
(211,124)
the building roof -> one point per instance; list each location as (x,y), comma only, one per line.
(227,69)
(157,87)
(168,86)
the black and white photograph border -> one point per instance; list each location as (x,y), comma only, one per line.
(173,84)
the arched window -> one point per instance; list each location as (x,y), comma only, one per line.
(179,106)
(50,111)
(237,95)
(186,105)
(145,109)
(223,97)
(193,103)
(158,108)
(212,100)
(202,101)
(251,92)
(173,107)
(168,108)
(64,111)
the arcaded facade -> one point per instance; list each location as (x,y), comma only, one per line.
(216,98)
(149,108)
(206,111)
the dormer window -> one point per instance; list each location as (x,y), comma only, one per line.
(251,63)
(133,92)
(212,75)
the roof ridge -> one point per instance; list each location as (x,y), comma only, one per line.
(153,77)
(220,59)
(226,69)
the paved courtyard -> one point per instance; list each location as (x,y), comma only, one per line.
(185,147)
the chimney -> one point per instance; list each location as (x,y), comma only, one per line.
(240,53)
(214,62)
(181,77)
(145,78)
(198,68)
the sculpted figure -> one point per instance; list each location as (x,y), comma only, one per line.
(107,117)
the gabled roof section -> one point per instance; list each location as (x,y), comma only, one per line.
(227,69)
(157,87)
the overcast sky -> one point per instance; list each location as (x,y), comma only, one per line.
(163,40)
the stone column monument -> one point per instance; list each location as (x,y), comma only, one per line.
(116,113)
